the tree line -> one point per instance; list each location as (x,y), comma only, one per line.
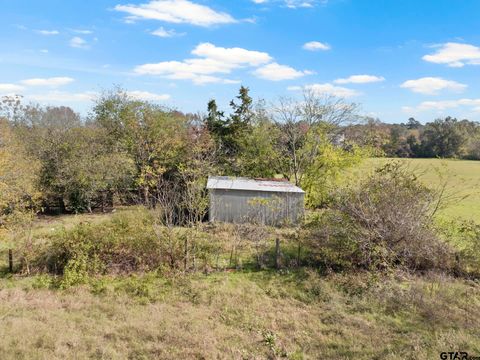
(442,138)
(132,151)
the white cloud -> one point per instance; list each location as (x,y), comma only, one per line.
(62,97)
(44,51)
(148,96)
(48,32)
(295,4)
(165,33)
(316,46)
(10,88)
(359,79)
(189,66)
(176,11)
(473,104)
(327,88)
(197,70)
(52,82)
(277,72)
(78,42)
(234,56)
(455,55)
(212,61)
(432,85)
(82,31)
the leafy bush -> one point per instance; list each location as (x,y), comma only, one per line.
(130,242)
(384,222)
(43,281)
(127,243)
(464,236)
(329,240)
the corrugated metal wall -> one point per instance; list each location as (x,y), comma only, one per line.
(270,208)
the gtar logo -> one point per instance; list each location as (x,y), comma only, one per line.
(454,355)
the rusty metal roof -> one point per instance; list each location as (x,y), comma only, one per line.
(241,183)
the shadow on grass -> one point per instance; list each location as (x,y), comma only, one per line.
(4,272)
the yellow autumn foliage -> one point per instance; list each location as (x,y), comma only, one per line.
(18,195)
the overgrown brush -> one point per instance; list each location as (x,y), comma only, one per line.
(384,222)
(136,241)
(464,236)
(130,242)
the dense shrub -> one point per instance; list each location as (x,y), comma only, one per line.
(464,236)
(327,236)
(125,243)
(385,221)
(129,242)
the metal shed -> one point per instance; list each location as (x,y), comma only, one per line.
(258,201)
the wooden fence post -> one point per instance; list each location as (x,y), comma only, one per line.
(277,253)
(10,260)
(298,254)
(185,260)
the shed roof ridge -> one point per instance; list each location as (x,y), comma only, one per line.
(254,184)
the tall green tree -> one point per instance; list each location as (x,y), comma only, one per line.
(242,111)
(18,194)
(215,122)
(230,132)
(413,124)
(260,154)
(306,124)
(327,166)
(443,138)
(155,138)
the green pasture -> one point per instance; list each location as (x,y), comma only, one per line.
(460,177)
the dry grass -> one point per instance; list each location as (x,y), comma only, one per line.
(238,314)
(46,224)
(259,315)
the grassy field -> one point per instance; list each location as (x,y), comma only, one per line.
(241,315)
(235,313)
(462,179)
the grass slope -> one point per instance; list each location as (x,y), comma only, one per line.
(241,315)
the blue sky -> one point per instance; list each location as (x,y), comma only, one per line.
(396,58)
